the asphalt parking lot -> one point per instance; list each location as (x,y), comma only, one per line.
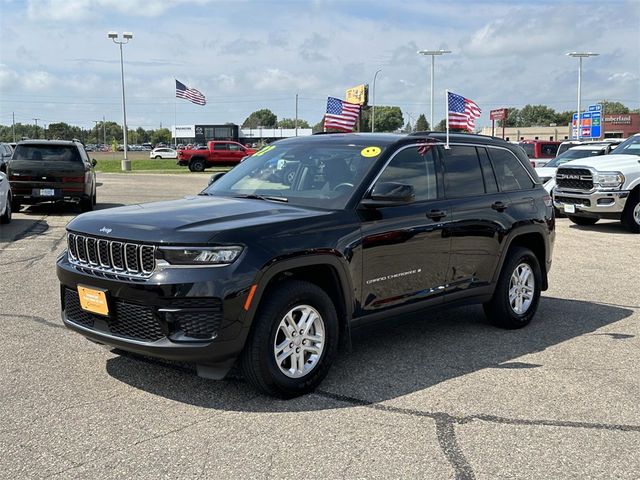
(434,396)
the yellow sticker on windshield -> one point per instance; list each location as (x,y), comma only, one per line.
(370,152)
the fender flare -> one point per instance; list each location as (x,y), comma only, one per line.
(509,241)
(278,266)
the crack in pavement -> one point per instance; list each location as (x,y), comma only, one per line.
(34,318)
(445,427)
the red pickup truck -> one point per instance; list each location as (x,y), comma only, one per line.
(218,153)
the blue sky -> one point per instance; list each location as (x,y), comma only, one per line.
(57,64)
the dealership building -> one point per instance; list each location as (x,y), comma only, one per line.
(201,134)
(616,125)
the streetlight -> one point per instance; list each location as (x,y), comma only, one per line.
(373,103)
(126,164)
(433,54)
(580,55)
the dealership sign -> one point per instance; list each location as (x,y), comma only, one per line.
(499,114)
(357,95)
(184,131)
(590,123)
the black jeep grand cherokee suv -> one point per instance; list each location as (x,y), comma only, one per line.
(272,273)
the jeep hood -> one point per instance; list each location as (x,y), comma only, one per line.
(608,163)
(192,220)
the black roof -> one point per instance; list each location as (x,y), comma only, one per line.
(49,142)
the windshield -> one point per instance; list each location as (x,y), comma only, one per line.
(321,174)
(631,146)
(47,153)
(574,154)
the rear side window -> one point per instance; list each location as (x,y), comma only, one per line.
(529,149)
(463,176)
(548,150)
(510,173)
(47,153)
(490,183)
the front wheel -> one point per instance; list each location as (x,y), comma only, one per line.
(517,292)
(583,220)
(293,342)
(631,213)
(6,216)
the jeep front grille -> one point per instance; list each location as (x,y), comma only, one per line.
(111,256)
(574,178)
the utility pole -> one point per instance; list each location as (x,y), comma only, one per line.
(104,130)
(296,115)
(36,120)
(13,126)
(97,131)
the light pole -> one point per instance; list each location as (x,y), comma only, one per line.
(580,56)
(36,120)
(432,54)
(126,36)
(373,103)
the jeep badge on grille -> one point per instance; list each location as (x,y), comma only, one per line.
(105,230)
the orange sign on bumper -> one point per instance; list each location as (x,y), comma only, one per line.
(93,300)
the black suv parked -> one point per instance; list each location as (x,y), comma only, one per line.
(272,273)
(52,170)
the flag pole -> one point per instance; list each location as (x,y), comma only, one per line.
(446,104)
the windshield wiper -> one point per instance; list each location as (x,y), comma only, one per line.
(255,196)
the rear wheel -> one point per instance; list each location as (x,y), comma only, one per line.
(197,165)
(517,293)
(631,213)
(293,342)
(157,157)
(583,220)
(6,216)
(87,203)
(15,204)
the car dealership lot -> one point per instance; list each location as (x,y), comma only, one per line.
(441,395)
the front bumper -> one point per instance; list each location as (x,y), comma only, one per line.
(599,203)
(182,314)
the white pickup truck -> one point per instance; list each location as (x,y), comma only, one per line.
(602,187)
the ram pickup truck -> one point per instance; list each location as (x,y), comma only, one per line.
(217,153)
(602,187)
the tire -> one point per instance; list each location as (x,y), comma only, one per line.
(197,165)
(15,204)
(499,310)
(157,157)
(6,216)
(583,220)
(87,204)
(631,213)
(258,360)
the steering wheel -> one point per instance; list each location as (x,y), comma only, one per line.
(341,185)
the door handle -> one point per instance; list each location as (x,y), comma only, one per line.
(436,214)
(499,206)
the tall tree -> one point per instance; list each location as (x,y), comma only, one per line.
(421,124)
(564,118)
(537,116)
(261,118)
(161,135)
(291,123)
(442,125)
(388,119)
(614,107)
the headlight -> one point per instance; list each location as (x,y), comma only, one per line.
(609,179)
(200,256)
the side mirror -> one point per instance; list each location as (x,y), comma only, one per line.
(387,194)
(94,162)
(215,177)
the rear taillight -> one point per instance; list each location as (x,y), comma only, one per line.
(73,179)
(548,201)
(20,178)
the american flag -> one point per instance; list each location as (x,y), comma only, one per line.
(191,94)
(462,112)
(341,115)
